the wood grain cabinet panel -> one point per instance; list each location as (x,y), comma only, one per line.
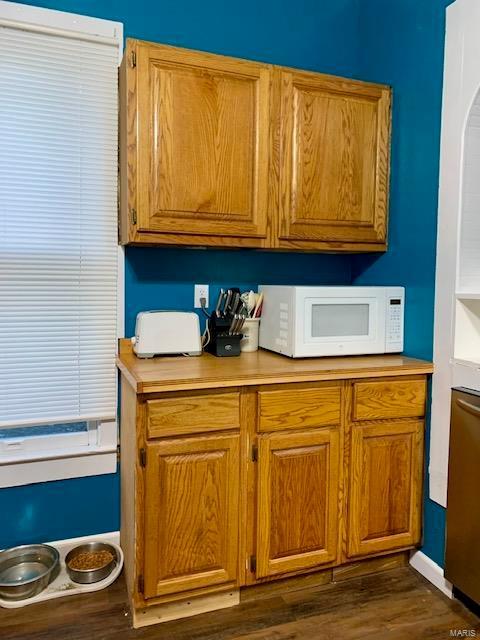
(384,504)
(318,467)
(219,151)
(298,475)
(202,149)
(375,400)
(299,408)
(334,163)
(180,414)
(191,513)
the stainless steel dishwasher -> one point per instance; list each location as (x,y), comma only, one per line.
(462,560)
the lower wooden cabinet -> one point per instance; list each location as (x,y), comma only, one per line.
(284,479)
(297,500)
(385,493)
(191,513)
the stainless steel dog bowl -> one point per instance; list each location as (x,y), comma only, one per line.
(25,571)
(89,576)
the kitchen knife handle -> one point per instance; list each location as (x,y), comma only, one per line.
(219,302)
(227,303)
(236,300)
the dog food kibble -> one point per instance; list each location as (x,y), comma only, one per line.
(89,560)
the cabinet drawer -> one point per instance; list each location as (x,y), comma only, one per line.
(298,408)
(180,415)
(388,399)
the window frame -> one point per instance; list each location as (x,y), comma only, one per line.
(20,461)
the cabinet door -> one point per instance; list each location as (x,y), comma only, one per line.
(297,500)
(384,503)
(334,162)
(203,126)
(191,514)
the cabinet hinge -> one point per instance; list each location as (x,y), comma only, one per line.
(253,564)
(254,453)
(133,59)
(133,215)
(143,457)
(140,584)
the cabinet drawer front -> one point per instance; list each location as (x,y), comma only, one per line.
(192,414)
(298,408)
(388,399)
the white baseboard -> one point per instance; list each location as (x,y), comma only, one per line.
(111,536)
(431,571)
(437,482)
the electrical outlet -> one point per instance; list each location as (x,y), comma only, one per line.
(201,291)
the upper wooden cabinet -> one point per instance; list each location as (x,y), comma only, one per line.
(334,161)
(197,157)
(218,151)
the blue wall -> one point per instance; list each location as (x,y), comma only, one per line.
(399,42)
(57,510)
(312,34)
(403,43)
(162,278)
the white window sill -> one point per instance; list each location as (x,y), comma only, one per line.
(62,465)
(28,460)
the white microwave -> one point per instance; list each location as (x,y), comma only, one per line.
(303,322)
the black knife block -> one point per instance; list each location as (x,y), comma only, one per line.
(221,344)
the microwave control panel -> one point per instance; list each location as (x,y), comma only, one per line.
(394,328)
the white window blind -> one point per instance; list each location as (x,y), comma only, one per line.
(58,230)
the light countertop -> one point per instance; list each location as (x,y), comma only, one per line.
(178,373)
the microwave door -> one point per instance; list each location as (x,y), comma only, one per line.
(342,326)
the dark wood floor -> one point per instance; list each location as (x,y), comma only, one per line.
(396,604)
